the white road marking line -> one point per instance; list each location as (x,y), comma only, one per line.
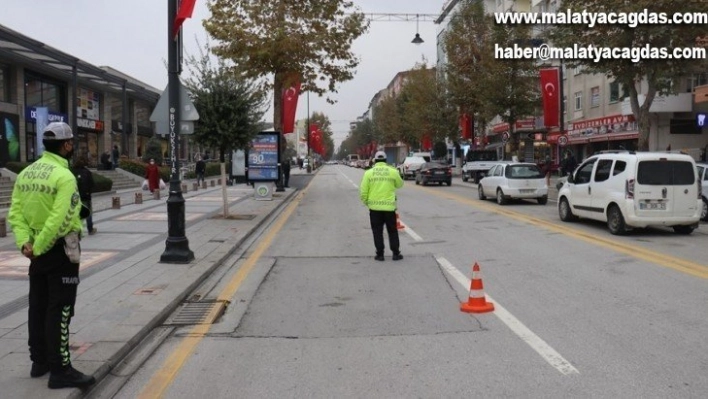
(534,341)
(346,177)
(412,233)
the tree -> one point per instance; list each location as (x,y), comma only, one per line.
(288,39)
(230,107)
(468,42)
(659,75)
(153,150)
(512,92)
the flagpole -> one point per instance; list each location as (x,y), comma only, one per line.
(307,135)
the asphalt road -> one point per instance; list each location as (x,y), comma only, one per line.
(578,312)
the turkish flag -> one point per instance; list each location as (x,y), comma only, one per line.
(427,143)
(289,106)
(185,10)
(550,89)
(466,126)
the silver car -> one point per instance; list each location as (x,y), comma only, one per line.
(514,180)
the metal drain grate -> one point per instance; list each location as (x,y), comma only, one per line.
(197,313)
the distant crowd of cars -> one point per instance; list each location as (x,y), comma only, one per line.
(624,189)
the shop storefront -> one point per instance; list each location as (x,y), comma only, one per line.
(616,132)
(89,126)
(31,145)
(42,92)
(533,146)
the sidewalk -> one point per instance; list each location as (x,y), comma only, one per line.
(125,292)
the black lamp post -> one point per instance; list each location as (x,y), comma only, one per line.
(177,246)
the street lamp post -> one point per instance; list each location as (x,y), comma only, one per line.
(177,246)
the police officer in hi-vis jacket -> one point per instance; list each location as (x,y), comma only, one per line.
(44,216)
(378,192)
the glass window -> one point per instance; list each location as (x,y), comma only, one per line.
(39,92)
(578,100)
(142,111)
(670,173)
(602,172)
(523,172)
(582,175)
(620,167)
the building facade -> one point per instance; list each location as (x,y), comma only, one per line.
(105,107)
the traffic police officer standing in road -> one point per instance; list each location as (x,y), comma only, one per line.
(378,192)
(44,216)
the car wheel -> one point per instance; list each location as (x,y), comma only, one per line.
(704,212)
(615,221)
(417,182)
(425,182)
(440,183)
(449,183)
(564,211)
(501,200)
(683,230)
(480,193)
(543,200)
(464,177)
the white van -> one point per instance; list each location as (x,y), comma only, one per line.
(628,189)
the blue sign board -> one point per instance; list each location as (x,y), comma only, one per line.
(262,157)
(31,115)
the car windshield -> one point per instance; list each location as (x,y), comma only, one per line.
(523,172)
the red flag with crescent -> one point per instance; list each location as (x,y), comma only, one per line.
(550,89)
(427,143)
(185,10)
(289,106)
(465,126)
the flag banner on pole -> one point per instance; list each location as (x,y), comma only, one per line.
(550,85)
(465,127)
(185,10)
(289,107)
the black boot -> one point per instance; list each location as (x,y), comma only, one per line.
(70,378)
(397,256)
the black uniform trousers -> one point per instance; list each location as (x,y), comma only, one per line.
(52,295)
(379,219)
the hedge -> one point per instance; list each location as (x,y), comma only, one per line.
(212,169)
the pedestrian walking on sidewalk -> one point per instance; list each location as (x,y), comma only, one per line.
(378,192)
(199,169)
(152,174)
(45,221)
(84,180)
(286,173)
(116,156)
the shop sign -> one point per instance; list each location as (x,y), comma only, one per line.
(89,124)
(31,114)
(608,124)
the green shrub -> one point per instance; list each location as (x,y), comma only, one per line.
(101,184)
(137,167)
(153,150)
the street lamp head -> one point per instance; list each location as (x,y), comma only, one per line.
(417,39)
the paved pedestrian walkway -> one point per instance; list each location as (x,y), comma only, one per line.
(125,292)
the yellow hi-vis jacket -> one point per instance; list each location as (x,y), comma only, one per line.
(378,187)
(45,204)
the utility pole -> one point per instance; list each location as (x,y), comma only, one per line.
(177,246)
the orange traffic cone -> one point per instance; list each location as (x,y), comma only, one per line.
(476,303)
(399,225)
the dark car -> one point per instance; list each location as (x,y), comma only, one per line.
(434,172)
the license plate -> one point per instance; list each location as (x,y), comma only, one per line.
(652,206)
(439,173)
(526,191)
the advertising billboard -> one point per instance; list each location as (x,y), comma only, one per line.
(262,157)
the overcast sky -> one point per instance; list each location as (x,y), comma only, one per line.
(131,36)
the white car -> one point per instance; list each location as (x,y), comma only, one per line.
(702,169)
(514,180)
(628,189)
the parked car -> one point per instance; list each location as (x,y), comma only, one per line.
(702,169)
(628,189)
(407,169)
(514,180)
(434,172)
